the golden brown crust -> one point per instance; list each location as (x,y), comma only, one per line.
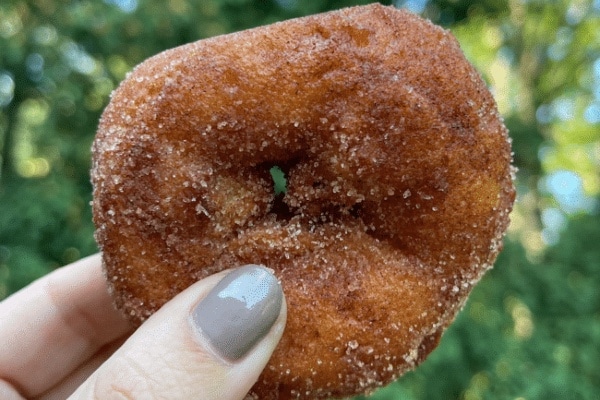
(399,186)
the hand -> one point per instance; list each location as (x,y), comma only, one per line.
(61,336)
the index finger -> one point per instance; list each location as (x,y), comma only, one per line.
(55,324)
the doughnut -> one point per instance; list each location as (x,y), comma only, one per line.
(398,186)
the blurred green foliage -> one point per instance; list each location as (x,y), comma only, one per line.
(531,329)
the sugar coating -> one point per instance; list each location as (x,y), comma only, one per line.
(399,186)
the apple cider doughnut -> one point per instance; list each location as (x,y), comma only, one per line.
(398,186)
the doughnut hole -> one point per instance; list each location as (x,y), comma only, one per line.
(279,180)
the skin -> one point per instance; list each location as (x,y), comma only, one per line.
(63,337)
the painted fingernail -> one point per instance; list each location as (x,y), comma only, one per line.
(239,311)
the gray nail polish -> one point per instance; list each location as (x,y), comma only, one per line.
(239,311)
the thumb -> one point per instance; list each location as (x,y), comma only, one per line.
(211,341)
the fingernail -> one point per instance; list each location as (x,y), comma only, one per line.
(239,311)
